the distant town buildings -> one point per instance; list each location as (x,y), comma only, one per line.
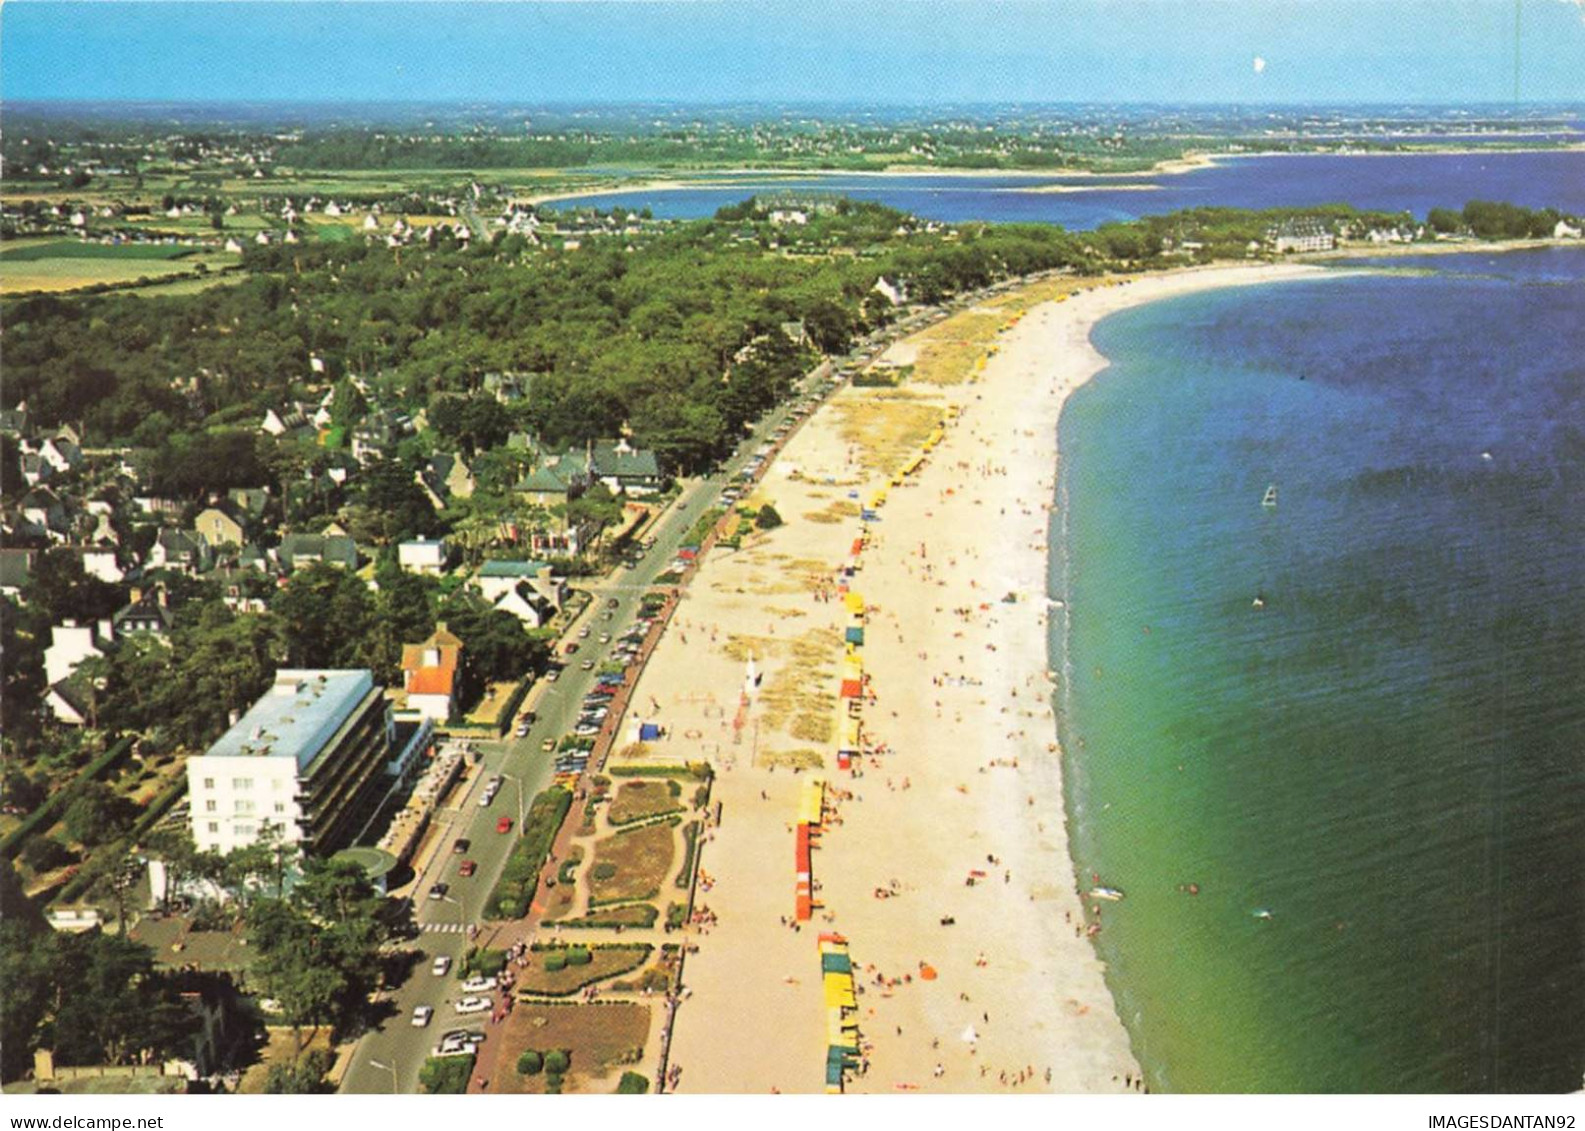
(1301,234)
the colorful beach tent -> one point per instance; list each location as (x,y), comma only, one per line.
(854,634)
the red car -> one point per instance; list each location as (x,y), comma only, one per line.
(504,825)
(467,868)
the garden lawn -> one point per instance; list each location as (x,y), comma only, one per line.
(605,962)
(636,800)
(642,860)
(601,1037)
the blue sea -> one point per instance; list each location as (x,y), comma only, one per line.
(1416,182)
(1333,751)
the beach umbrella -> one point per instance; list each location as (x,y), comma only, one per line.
(970,1036)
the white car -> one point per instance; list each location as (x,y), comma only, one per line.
(474,1005)
(487,798)
(421,1015)
(478,985)
(440,966)
(459,1042)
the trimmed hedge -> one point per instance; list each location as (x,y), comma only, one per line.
(632,1084)
(481,962)
(629,915)
(530,1062)
(446,1075)
(508,712)
(159,806)
(699,771)
(520,879)
(690,841)
(55,804)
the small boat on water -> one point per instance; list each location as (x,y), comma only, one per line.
(1261,913)
(1111,894)
(1269,500)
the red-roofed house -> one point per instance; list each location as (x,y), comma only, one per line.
(430,672)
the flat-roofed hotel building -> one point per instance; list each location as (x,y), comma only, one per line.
(307,758)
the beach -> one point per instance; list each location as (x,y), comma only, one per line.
(751,177)
(943,859)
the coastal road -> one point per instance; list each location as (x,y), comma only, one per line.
(397,1045)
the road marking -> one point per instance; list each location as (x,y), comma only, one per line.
(442,928)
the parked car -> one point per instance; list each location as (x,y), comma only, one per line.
(467,868)
(522,729)
(473,1005)
(438,891)
(605,638)
(440,966)
(460,1042)
(487,798)
(587,665)
(504,825)
(478,984)
(552,675)
(583,633)
(548,745)
(572,646)
(461,845)
(421,1015)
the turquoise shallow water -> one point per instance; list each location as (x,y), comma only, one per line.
(1389,756)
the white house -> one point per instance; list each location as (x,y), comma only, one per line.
(61,454)
(423,555)
(70,644)
(896,293)
(527,590)
(100,562)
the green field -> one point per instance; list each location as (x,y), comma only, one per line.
(32,252)
(54,266)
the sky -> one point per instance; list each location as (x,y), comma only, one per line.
(894,52)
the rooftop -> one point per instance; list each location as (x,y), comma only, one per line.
(498,568)
(296,716)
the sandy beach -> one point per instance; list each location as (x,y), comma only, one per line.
(944,858)
(724,178)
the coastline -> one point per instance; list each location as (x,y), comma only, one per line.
(673,181)
(1176,166)
(982,986)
